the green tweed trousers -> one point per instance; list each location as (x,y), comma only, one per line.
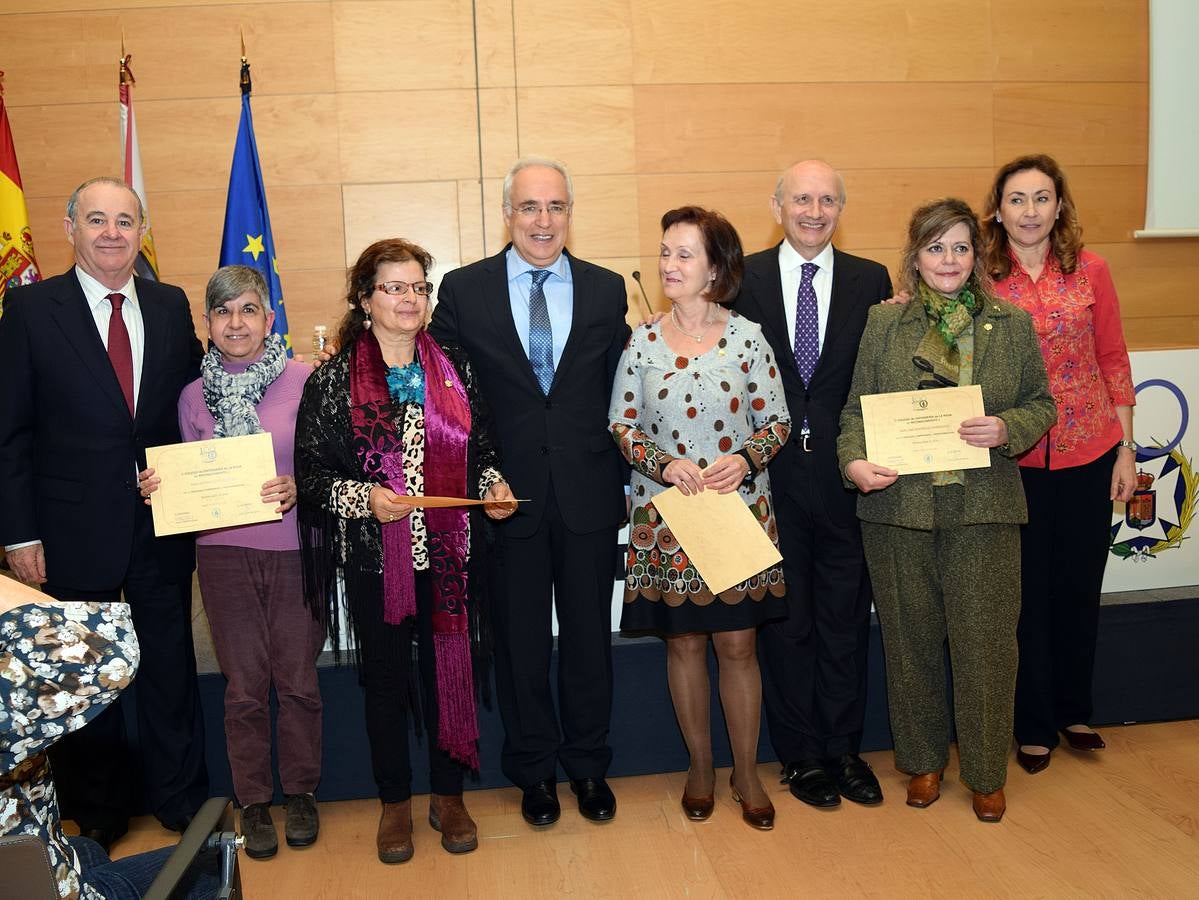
(959,583)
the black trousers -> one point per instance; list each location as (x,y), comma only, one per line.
(814,661)
(555,568)
(1064,550)
(385,672)
(94,768)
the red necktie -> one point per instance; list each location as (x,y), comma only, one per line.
(120,353)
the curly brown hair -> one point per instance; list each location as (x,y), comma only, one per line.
(1066,237)
(722,245)
(928,223)
(360,281)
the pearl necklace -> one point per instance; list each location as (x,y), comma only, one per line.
(695,337)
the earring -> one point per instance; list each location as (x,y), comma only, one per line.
(998,218)
(367,321)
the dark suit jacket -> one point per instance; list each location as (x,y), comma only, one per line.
(560,440)
(857,285)
(68,446)
(1009,368)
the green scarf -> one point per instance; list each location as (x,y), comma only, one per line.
(948,318)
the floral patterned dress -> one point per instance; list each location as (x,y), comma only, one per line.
(666,406)
(60,666)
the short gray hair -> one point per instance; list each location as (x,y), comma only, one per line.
(230,282)
(778,185)
(73,200)
(526,162)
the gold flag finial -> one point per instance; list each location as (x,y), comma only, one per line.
(245,64)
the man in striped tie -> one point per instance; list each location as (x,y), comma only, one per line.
(92,362)
(545,330)
(811,301)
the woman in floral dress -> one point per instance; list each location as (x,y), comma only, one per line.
(698,404)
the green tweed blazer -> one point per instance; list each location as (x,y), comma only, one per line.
(1008,367)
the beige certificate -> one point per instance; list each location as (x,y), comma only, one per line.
(719,534)
(212,484)
(917,431)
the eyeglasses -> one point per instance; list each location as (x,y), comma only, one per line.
(399,288)
(937,381)
(532,210)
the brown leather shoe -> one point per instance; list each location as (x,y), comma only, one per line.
(698,809)
(394,839)
(759,817)
(924,790)
(990,807)
(447,814)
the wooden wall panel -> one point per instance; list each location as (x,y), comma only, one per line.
(732,42)
(573,42)
(377,117)
(1070,40)
(407,136)
(1091,124)
(383,45)
(694,128)
(423,212)
(588,128)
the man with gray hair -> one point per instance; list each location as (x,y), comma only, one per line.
(92,362)
(811,301)
(545,331)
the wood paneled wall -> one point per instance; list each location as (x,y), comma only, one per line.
(399,117)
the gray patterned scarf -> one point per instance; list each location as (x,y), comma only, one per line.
(232,397)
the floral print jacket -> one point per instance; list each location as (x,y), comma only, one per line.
(60,666)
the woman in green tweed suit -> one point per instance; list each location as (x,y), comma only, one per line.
(943,549)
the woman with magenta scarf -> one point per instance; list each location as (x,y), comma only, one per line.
(395,414)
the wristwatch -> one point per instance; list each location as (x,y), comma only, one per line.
(1131,445)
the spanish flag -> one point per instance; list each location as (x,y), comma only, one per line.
(17,264)
(146,263)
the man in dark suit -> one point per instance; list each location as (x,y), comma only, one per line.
(811,301)
(92,363)
(545,331)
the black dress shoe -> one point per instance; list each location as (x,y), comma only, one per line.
(811,783)
(1083,740)
(855,779)
(1032,763)
(105,835)
(596,800)
(540,803)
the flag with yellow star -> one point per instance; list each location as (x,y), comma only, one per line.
(247,239)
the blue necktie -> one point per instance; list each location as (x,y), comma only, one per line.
(807,325)
(541,337)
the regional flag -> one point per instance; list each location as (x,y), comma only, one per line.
(247,239)
(146,264)
(17,264)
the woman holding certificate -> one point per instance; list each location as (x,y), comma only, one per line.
(250,574)
(1088,460)
(943,547)
(393,415)
(698,404)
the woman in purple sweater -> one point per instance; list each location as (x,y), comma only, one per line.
(262,630)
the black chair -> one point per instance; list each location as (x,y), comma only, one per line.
(27,875)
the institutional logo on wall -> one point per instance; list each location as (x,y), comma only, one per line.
(1162,507)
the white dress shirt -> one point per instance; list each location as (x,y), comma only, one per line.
(790,263)
(96,295)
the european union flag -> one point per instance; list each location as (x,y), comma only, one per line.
(247,239)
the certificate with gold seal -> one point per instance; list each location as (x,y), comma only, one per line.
(917,431)
(212,484)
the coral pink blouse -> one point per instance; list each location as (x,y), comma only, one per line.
(1077,320)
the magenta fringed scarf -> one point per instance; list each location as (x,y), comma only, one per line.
(381,452)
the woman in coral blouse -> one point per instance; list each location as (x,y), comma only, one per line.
(1035,255)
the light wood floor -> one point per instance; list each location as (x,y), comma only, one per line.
(1121,823)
